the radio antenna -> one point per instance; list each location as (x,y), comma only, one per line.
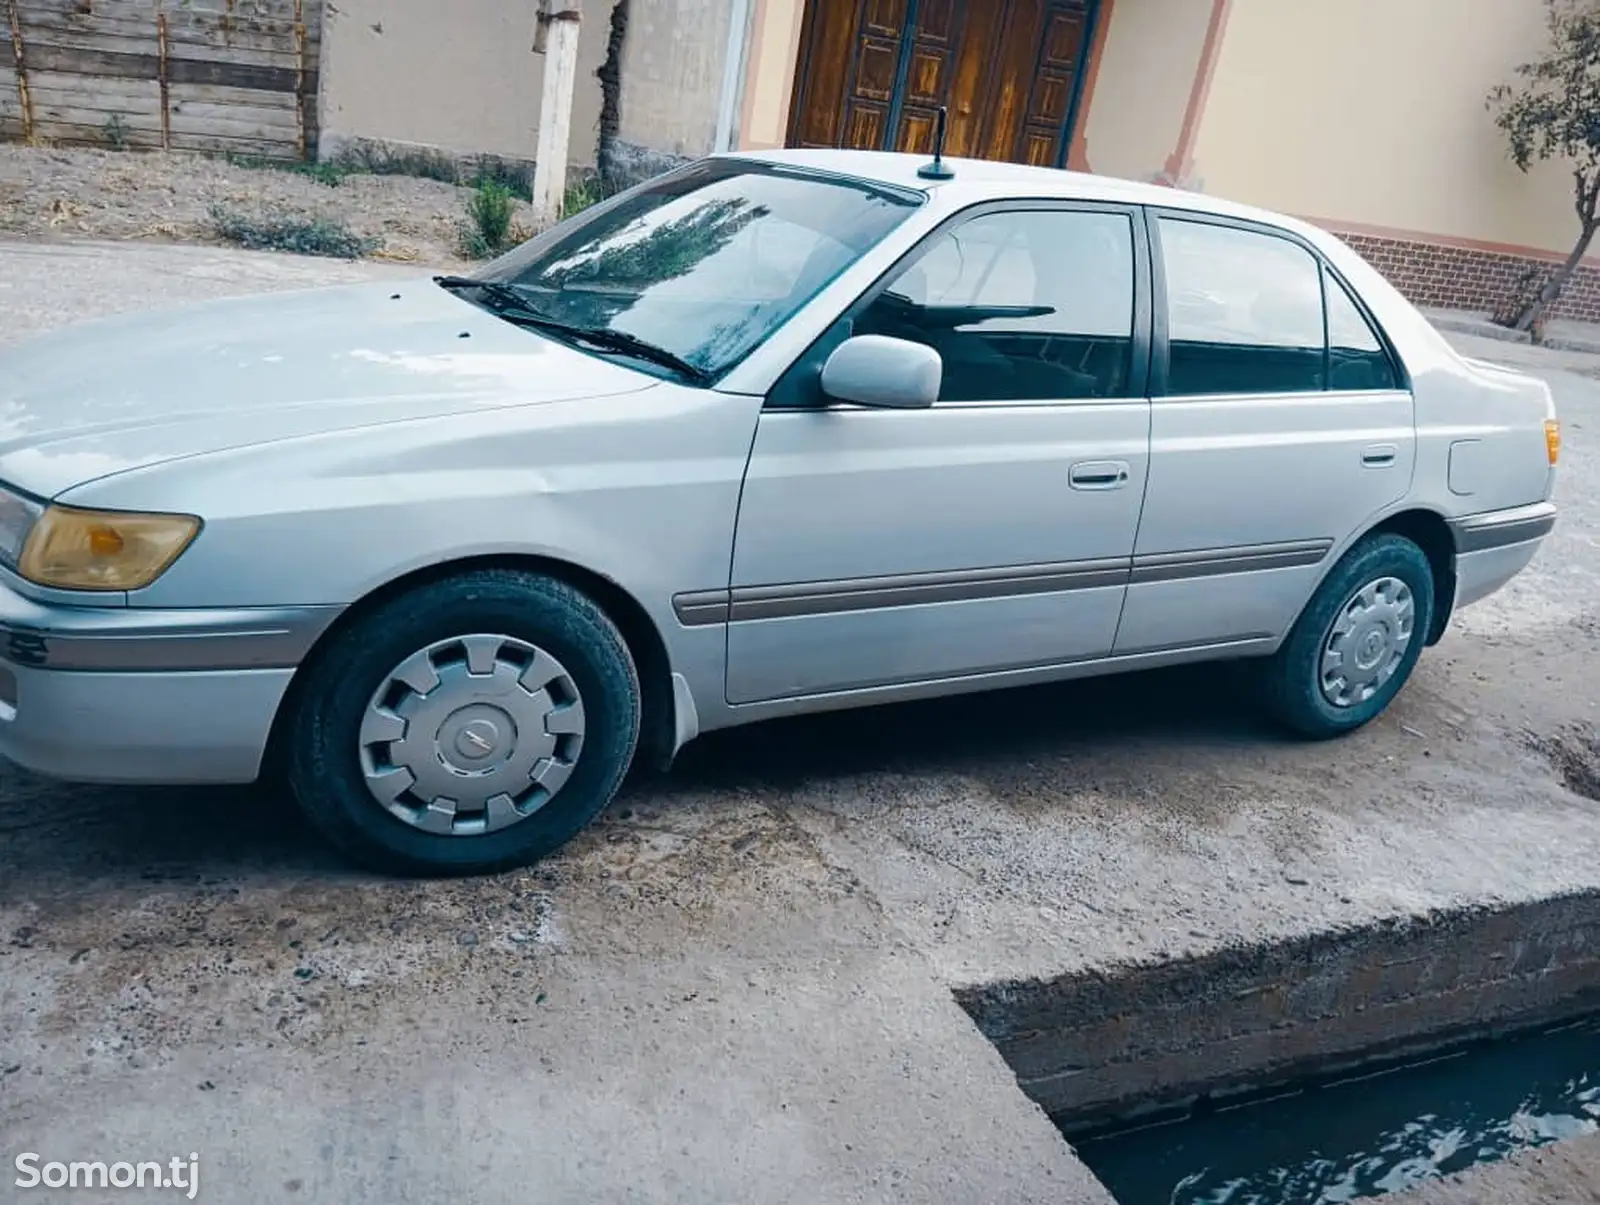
(936,169)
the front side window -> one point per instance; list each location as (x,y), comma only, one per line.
(1244,311)
(705,263)
(1020,306)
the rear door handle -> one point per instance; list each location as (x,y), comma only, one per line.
(1379,456)
(1099,475)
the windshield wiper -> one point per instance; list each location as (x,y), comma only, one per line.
(500,292)
(518,310)
(632,345)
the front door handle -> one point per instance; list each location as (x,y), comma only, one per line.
(1099,475)
(1379,456)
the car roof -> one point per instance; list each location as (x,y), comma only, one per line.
(979,178)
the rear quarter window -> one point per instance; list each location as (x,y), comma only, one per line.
(1357,358)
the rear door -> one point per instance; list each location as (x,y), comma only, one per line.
(1279,426)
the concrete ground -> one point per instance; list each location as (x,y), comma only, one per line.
(736,987)
(1565,1174)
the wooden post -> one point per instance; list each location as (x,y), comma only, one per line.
(23,98)
(557,39)
(161,79)
(302,125)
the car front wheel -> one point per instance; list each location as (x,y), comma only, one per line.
(473,724)
(1357,641)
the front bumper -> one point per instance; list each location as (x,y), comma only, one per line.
(134,695)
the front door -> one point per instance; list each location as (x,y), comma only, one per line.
(873,74)
(991,532)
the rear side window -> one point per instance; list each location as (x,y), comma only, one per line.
(1356,356)
(1244,312)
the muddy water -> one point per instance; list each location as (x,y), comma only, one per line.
(1365,1135)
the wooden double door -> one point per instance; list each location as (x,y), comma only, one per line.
(873,74)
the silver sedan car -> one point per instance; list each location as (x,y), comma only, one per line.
(769,434)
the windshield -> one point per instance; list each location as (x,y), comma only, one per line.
(705,262)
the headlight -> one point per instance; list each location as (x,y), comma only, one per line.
(101,549)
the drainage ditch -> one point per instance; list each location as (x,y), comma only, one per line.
(1375,1131)
(1328,1068)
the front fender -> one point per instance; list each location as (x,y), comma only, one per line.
(641,489)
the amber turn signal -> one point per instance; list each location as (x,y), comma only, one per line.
(75,549)
(1552,438)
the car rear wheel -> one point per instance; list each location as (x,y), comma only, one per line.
(470,725)
(1357,641)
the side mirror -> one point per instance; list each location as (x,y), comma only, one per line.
(875,370)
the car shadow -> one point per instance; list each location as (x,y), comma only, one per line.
(54,833)
(123,835)
(1202,705)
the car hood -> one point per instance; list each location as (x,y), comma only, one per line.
(111,396)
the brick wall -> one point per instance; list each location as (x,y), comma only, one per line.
(1456,278)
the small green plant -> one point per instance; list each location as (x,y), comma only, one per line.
(581,194)
(487,230)
(514,178)
(116,132)
(331,174)
(291,232)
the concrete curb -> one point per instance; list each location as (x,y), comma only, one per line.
(1590,346)
(1480,325)
(1474,324)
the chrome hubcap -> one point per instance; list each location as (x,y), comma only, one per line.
(1367,641)
(471,735)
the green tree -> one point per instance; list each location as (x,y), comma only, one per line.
(1553,113)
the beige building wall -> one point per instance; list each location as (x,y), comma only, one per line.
(1370,113)
(672,68)
(458,75)
(1142,82)
(769,73)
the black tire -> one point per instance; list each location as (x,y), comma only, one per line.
(1293,691)
(323,732)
